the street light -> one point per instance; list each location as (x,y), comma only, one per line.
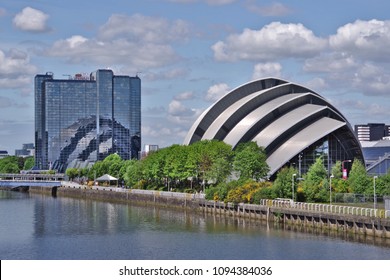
(330,189)
(375,193)
(292,185)
(344,170)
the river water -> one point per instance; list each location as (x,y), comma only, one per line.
(42,227)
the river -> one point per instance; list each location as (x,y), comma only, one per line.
(41,227)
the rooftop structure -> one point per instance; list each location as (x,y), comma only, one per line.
(294,124)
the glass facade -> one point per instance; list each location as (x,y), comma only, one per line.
(86,119)
(331,148)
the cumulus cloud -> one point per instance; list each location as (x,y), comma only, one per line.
(187,95)
(274,41)
(269,69)
(331,63)
(141,41)
(15,69)
(215,92)
(143,28)
(364,39)
(32,20)
(177,109)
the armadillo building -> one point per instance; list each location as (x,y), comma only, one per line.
(294,124)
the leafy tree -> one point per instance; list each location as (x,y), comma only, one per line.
(250,161)
(358,179)
(282,186)
(315,185)
(29,163)
(72,173)
(133,173)
(11,164)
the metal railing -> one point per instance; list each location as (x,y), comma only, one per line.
(327,208)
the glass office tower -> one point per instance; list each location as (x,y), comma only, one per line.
(86,118)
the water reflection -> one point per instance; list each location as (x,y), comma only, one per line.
(68,228)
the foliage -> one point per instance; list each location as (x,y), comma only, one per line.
(29,163)
(72,173)
(11,164)
(250,161)
(315,184)
(283,183)
(358,179)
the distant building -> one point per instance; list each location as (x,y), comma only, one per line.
(3,154)
(27,150)
(86,118)
(372,131)
(377,156)
(147,149)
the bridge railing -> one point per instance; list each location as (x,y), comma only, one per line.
(32,177)
(327,208)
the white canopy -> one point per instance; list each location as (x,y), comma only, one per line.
(106,177)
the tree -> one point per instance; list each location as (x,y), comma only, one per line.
(250,161)
(315,185)
(72,173)
(282,186)
(29,163)
(358,180)
(11,164)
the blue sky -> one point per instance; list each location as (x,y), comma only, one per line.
(189,53)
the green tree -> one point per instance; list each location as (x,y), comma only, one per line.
(72,173)
(250,161)
(315,185)
(283,184)
(29,163)
(133,173)
(358,180)
(11,164)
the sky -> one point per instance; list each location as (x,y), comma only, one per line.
(189,53)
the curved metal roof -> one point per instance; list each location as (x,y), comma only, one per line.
(283,117)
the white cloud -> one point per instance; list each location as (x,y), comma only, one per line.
(144,29)
(177,109)
(215,92)
(269,69)
(364,39)
(30,19)
(187,95)
(140,41)
(274,41)
(15,69)
(331,63)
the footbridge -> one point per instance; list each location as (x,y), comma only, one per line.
(23,182)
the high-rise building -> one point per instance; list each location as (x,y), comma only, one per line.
(372,131)
(86,118)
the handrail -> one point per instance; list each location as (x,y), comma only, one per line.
(326,208)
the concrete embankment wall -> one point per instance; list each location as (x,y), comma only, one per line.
(353,224)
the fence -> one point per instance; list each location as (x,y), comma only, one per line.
(327,208)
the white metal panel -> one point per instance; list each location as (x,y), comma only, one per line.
(302,140)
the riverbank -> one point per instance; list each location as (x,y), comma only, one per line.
(349,220)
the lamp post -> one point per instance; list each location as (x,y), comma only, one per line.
(292,185)
(375,193)
(343,169)
(330,189)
